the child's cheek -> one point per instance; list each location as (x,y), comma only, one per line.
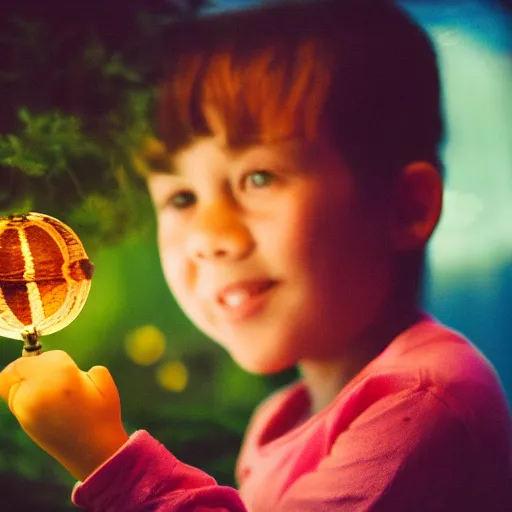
(179,272)
(172,254)
(293,222)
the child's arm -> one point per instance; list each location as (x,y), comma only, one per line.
(76,417)
(145,476)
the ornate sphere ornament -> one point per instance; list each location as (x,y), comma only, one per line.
(45,277)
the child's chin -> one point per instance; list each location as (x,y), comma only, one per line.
(260,366)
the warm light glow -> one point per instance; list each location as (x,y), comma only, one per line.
(173,376)
(145,345)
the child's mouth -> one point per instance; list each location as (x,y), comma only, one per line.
(244,299)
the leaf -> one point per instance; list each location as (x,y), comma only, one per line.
(15,143)
(24,115)
(115,67)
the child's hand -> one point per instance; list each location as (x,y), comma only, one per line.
(74,415)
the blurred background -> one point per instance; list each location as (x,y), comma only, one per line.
(77,85)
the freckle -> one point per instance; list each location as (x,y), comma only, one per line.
(406,419)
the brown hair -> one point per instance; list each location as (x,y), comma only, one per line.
(358,70)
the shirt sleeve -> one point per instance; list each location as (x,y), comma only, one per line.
(405,452)
(144,476)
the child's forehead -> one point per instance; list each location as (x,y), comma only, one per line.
(289,150)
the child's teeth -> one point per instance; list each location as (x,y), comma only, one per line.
(234,299)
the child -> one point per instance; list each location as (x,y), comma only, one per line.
(301,185)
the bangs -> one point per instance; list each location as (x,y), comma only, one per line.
(246,96)
(359,72)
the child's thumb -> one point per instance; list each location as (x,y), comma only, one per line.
(103,382)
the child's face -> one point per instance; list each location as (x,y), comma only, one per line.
(271,250)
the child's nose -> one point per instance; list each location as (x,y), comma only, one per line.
(218,232)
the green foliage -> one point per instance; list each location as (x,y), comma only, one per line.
(49,144)
(53,165)
(78,83)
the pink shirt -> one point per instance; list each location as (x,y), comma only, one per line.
(424,427)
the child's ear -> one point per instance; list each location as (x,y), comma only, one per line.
(418,204)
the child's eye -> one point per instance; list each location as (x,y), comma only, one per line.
(258,179)
(181,200)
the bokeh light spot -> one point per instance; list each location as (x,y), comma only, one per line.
(145,345)
(173,376)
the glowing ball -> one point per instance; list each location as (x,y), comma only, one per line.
(45,277)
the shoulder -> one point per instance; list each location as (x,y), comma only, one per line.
(433,390)
(439,359)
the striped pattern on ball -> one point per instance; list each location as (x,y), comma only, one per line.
(45,275)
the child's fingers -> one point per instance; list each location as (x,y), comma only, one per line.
(41,367)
